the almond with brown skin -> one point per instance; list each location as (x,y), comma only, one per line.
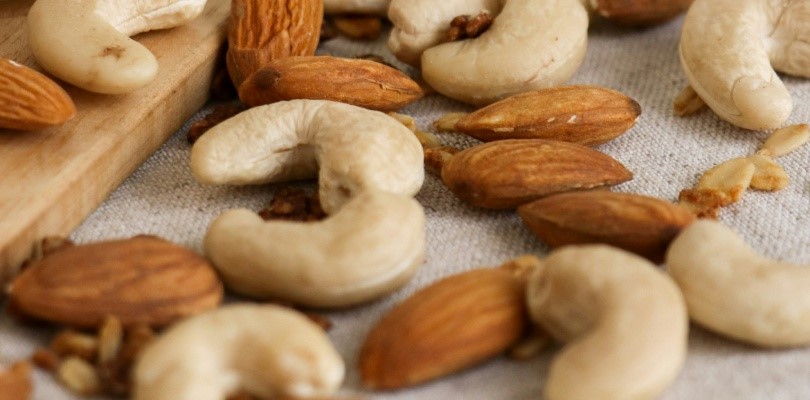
(140,280)
(639,224)
(15,382)
(30,100)
(260,31)
(362,83)
(639,12)
(509,173)
(586,115)
(451,325)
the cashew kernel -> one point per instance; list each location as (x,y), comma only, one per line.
(531,44)
(730,48)
(625,322)
(738,293)
(370,247)
(87,42)
(356,149)
(264,350)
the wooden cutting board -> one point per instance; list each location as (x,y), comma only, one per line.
(50,180)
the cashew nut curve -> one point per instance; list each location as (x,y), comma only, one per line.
(531,44)
(625,322)
(372,246)
(356,149)
(86,42)
(738,293)
(728,49)
(265,350)
(373,7)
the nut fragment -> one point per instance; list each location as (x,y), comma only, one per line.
(469,27)
(358,27)
(30,100)
(15,382)
(509,173)
(447,123)
(720,186)
(639,12)
(436,157)
(639,224)
(738,293)
(79,376)
(110,337)
(293,205)
(143,279)
(72,343)
(448,326)
(260,31)
(624,323)
(45,359)
(586,115)
(427,139)
(785,140)
(363,83)
(768,175)
(218,114)
(688,102)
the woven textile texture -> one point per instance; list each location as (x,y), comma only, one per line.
(666,153)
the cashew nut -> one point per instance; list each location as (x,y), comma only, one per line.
(737,293)
(531,44)
(727,50)
(625,320)
(375,7)
(357,150)
(264,350)
(87,42)
(370,247)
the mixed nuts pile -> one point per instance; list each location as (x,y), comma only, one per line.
(162,331)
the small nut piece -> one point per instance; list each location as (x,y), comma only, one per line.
(87,42)
(509,173)
(79,376)
(532,44)
(267,351)
(370,247)
(372,7)
(586,115)
(688,102)
(785,140)
(768,175)
(739,294)
(358,27)
(362,83)
(639,12)
(720,186)
(260,31)
(639,224)
(143,279)
(730,48)
(30,100)
(357,150)
(453,324)
(624,323)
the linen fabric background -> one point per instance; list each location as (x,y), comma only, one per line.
(666,153)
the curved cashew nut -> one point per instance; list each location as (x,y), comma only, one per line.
(87,42)
(374,7)
(625,320)
(737,293)
(370,247)
(728,47)
(265,350)
(357,149)
(532,44)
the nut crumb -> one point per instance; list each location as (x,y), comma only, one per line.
(469,27)
(290,204)
(219,114)
(358,27)
(435,158)
(45,359)
(79,376)
(687,102)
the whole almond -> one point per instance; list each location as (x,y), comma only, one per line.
(451,325)
(639,224)
(509,173)
(140,280)
(260,31)
(362,83)
(640,12)
(30,100)
(586,115)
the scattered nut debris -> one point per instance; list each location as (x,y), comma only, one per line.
(79,376)
(110,338)
(435,158)
(785,140)
(291,204)
(469,27)
(688,102)
(427,139)
(45,359)
(768,175)
(720,186)
(219,114)
(358,27)
(15,382)
(447,123)
(72,343)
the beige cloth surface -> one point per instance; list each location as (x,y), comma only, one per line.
(665,152)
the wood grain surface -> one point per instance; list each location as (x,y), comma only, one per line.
(51,179)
